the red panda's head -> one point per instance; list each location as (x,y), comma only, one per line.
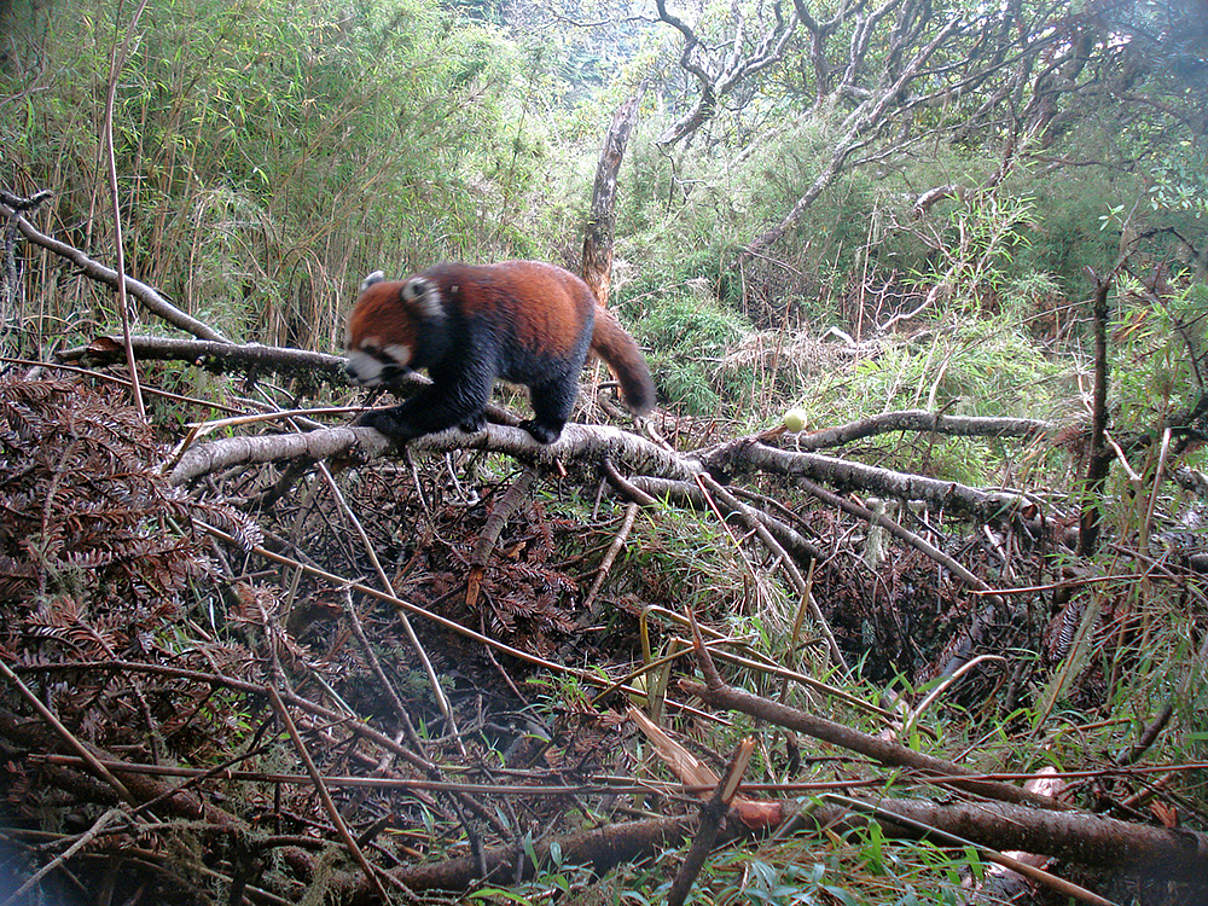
(383,329)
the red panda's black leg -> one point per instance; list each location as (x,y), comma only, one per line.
(552,404)
(453,400)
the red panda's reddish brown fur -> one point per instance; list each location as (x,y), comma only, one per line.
(522,321)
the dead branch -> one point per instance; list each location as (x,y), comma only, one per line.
(601,848)
(716,693)
(147,295)
(67,736)
(782,556)
(924,202)
(712,812)
(610,556)
(596,268)
(515,497)
(117,59)
(748,453)
(578,442)
(215,355)
(922,420)
(1073,836)
(718,76)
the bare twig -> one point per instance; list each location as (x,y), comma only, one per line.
(92,761)
(745,454)
(715,692)
(117,59)
(923,420)
(329,804)
(513,498)
(618,542)
(219,355)
(438,692)
(712,811)
(148,296)
(83,840)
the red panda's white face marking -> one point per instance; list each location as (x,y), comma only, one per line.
(371,366)
(382,327)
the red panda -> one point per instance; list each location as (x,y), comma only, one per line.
(523,321)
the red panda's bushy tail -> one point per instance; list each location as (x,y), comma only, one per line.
(617,348)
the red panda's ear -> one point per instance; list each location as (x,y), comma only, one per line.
(422,296)
(375,277)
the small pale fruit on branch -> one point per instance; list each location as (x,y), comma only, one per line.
(794,420)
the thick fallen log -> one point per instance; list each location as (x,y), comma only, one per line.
(578,442)
(1078,837)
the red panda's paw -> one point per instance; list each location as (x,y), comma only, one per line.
(385,421)
(541,432)
(474,423)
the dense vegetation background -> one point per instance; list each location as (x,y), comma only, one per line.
(842,207)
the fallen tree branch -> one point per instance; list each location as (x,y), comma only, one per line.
(215,355)
(603,442)
(504,509)
(1073,836)
(582,442)
(922,420)
(741,454)
(1070,835)
(147,295)
(602,848)
(716,693)
(747,453)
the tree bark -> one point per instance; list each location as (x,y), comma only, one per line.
(746,453)
(598,234)
(1099,460)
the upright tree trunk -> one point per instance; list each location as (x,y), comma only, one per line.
(597,238)
(1100,458)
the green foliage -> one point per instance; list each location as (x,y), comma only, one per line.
(1159,348)
(688,335)
(987,367)
(270,155)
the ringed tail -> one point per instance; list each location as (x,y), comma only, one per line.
(618,349)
